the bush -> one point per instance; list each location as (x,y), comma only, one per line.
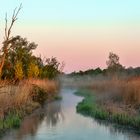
(33,71)
(18,70)
(39,95)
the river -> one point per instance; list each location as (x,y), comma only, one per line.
(59,120)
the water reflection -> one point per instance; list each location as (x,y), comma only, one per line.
(50,113)
(30,125)
(115,130)
(53,113)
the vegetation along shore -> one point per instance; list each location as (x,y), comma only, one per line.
(26,80)
(112,95)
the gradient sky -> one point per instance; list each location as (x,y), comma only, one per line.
(79,32)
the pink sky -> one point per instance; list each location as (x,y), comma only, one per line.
(82,47)
(86,47)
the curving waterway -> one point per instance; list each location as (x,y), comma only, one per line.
(60,121)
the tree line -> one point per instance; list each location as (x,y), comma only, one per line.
(113,68)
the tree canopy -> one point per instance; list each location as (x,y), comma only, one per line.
(21,63)
(113,64)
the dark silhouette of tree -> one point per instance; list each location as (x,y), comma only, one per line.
(113,64)
(92,72)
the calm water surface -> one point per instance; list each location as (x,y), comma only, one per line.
(59,121)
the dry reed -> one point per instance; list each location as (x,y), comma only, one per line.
(14,97)
(124,94)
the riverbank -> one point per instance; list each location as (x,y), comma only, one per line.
(91,106)
(18,101)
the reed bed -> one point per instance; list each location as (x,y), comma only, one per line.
(18,100)
(122,91)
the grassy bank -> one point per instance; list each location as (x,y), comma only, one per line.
(90,106)
(17,101)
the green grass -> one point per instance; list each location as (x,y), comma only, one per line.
(57,97)
(12,120)
(90,107)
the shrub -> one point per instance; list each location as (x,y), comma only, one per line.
(39,95)
(18,70)
(33,70)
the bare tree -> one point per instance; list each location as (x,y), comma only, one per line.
(7,37)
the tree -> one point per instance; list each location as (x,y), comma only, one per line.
(7,38)
(17,60)
(113,64)
(20,50)
(51,68)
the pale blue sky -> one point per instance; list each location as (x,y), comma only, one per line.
(74,10)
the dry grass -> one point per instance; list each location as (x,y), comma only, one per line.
(14,97)
(119,95)
(114,100)
(49,86)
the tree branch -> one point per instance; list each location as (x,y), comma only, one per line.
(14,18)
(7,36)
